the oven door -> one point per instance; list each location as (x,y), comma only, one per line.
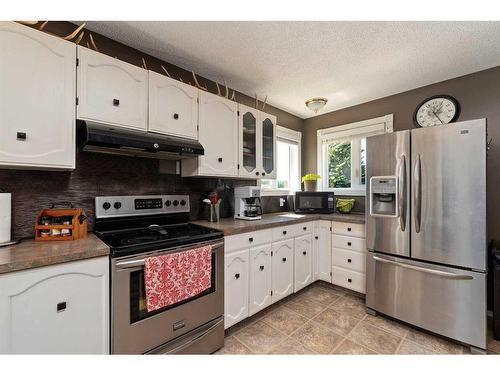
(314,202)
(134,330)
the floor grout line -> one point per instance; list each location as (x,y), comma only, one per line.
(402,340)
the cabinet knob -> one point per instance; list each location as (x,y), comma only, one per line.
(263,174)
(219,160)
(176,116)
(349,280)
(304,253)
(305,228)
(348,244)
(284,259)
(284,232)
(262,268)
(61,306)
(257,173)
(250,239)
(348,229)
(237,276)
(116,102)
(21,136)
(316,237)
(348,261)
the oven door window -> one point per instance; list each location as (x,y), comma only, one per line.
(138,309)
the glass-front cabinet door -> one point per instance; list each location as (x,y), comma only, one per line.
(268,123)
(250,149)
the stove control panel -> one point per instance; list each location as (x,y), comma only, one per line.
(122,206)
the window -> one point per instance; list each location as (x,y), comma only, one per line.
(287,180)
(342,154)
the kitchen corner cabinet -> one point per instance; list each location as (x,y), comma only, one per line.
(60,309)
(218,133)
(235,287)
(110,91)
(173,107)
(322,249)
(37,96)
(257,143)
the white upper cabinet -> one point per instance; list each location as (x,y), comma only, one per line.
(111,91)
(218,134)
(173,107)
(268,134)
(37,99)
(257,143)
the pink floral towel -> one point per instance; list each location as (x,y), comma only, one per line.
(172,278)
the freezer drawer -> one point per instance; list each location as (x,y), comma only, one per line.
(448,301)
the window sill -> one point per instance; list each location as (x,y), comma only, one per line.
(348,192)
(275,192)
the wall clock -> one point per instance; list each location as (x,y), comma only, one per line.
(436,110)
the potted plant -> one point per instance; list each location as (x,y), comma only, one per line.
(310,181)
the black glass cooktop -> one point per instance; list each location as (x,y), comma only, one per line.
(135,240)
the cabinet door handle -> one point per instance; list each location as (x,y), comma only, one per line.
(348,244)
(349,280)
(61,306)
(237,276)
(348,261)
(304,253)
(263,174)
(176,116)
(21,136)
(284,259)
(284,232)
(219,160)
(256,173)
(116,102)
(316,237)
(262,268)
(348,229)
(305,228)
(250,239)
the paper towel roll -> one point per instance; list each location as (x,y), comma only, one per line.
(5,217)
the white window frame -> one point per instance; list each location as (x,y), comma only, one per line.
(292,136)
(349,132)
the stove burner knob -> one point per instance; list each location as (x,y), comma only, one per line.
(176,202)
(106,205)
(168,203)
(117,205)
(183,202)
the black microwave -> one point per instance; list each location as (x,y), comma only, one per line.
(314,202)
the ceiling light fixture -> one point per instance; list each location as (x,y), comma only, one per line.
(316,104)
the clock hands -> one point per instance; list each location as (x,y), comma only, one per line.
(435,114)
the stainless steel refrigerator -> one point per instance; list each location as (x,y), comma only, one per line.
(426,228)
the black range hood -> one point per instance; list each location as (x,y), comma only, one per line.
(99,138)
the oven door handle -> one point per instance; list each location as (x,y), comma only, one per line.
(137,263)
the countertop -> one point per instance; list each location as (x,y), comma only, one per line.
(232,226)
(31,254)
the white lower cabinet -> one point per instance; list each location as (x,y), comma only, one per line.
(260,278)
(236,287)
(283,280)
(323,251)
(60,309)
(303,262)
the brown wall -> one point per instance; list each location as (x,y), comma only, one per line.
(479,97)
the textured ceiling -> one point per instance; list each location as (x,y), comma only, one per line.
(347,62)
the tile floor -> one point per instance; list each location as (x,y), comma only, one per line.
(323,319)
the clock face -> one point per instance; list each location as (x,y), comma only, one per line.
(437,110)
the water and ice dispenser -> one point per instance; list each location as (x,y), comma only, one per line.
(384,196)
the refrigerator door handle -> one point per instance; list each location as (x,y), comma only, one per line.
(448,275)
(417,196)
(402,193)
